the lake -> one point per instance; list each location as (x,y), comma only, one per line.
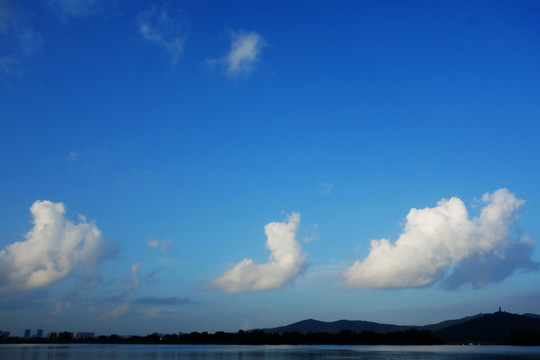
(274,352)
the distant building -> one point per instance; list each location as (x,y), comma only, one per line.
(39,333)
(4,334)
(27,333)
(84,335)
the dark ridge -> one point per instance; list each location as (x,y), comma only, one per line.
(497,328)
(310,325)
(447,323)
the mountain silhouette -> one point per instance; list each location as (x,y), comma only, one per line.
(311,325)
(496,328)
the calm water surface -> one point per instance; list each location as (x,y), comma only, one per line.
(210,352)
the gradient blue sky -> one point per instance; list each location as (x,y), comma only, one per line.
(161,145)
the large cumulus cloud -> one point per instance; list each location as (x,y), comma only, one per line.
(54,248)
(437,239)
(285,263)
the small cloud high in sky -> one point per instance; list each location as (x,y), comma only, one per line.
(163,245)
(284,264)
(158,26)
(166,150)
(434,239)
(243,55)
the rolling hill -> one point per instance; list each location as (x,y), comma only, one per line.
(496,328)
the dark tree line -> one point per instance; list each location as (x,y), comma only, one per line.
(259,337)
(255,337)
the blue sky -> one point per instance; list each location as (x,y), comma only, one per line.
(210,165)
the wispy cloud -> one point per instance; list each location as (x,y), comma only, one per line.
(20,39)
(92,160)
(119,310)
(10,64)
(4,15)
(74,157)
(157,312)
(54,248)
(134,281)
(170,301)
(326,188)
(244,53)
(285,263)
(61,306)
(435,239)
(163,245)
(313,235)
(157,26)
(74,8)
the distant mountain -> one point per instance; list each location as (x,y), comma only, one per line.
(499,327)
(310,325)
(447,323)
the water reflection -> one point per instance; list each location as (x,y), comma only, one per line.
(206,352)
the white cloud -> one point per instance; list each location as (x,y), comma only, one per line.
(163,245)
(285,262)
(158,27)
(54,248)
(244,53)
(435,239)
(74,8)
